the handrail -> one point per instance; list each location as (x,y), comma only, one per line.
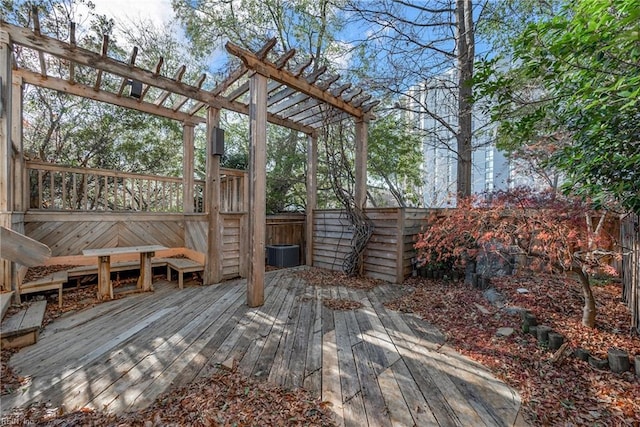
(56,187)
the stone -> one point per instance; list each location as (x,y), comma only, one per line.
(469,269)
(618,360)
(482,309)
(484,282)
(529,319)
(636,363)
(495,260)
(493,296)
(598,363)
(581,353)
(543,333)
(504,332)
(555,340)
(533,330)
(522,290)
(513,309)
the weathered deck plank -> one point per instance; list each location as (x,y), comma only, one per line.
(376,367)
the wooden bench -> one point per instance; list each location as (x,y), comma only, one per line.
(23,328)
(182,265)
(87,270)
(50,282)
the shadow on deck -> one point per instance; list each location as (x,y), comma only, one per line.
(376,366)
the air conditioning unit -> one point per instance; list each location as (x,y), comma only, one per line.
(283,255)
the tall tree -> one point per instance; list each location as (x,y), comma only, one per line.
(80,132)
(412,44)
(586,64)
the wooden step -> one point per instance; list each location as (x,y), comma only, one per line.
(182,265)
(48,283)
(22,328)
(5,303)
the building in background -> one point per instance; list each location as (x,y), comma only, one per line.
(432,106)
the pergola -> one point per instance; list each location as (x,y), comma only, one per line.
(267,90)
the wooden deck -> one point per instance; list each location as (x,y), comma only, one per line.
(376,366)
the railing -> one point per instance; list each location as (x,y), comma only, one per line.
(54,187)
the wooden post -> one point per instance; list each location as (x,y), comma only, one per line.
(6,152)
(20,187)
(361,164)
(257,188)
(213,257)
(105,290)
(312,191)
(187,167)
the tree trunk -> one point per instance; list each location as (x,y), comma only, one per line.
(465,58)
(589,309)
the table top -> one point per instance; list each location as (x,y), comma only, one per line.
(122,250)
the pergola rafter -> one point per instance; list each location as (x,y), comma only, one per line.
(267,91)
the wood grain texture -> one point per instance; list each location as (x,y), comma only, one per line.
(375,366)
(389,251)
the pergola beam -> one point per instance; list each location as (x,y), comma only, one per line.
(285,77)
(84,91)
(26,38)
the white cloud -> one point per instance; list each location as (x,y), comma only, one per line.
(157,11)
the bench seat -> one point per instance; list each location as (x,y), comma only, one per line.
(181,266)
(85,270)
(50,282)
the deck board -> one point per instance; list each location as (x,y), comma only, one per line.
(375,366)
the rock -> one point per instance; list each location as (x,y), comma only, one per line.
(484,282)
(555,340)
(522,290)
(636,364)
(533,330)
(543,334)
(618,360)
(494,260)
(598,363)
(469,269)
(504,332)
(513,309)
(493,296)
(482,309)
(529,319)
(581,353)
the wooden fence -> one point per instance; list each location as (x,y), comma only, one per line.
(630,238)
(390,250)
(287,229)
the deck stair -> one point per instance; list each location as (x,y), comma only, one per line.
(5,303)
(22,329)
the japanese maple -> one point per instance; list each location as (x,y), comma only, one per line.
(546,231)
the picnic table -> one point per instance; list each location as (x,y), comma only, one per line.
(105,288)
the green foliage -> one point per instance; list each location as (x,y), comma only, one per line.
(80,132)
(582,73)
(395,153)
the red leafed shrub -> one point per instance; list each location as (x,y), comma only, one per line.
(552,232)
